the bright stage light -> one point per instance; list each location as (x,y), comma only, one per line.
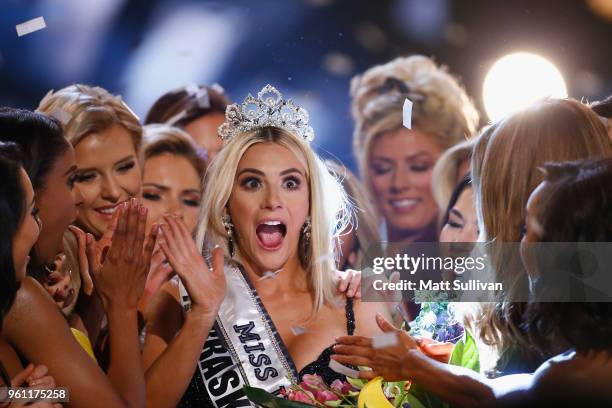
(518,80)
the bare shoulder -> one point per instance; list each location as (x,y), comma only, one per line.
(365,316)
(574,377)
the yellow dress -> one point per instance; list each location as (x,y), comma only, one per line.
(83,340)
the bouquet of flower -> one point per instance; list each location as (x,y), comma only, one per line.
(312,391)
(437,321)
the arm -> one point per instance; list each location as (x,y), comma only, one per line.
(31,317)
(170,359)
(458,386)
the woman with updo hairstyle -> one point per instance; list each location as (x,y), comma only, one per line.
(396,163)
(106,136)
(173,170)
(198,110)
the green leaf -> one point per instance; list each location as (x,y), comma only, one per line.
(333,403)
(465,353)
(355,382)
(267,400)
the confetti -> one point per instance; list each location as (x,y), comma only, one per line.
(30,26)
(408,113)
(342,369)
(384,340)
(270,274)
(298,330)
(174,119)
(217,88)
(61,115)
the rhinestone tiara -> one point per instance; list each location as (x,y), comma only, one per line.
(268,109)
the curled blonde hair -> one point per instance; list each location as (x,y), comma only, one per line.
(441,106)
(84,109)
(330,210)
(504,173)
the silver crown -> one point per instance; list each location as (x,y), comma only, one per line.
(269,109)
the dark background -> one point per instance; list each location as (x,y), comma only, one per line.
(308,48)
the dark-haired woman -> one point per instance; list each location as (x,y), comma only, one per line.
(33,311)
(20,223)
(199,110)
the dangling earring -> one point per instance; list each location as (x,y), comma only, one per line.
(306,230)
(305,241)
(229,228)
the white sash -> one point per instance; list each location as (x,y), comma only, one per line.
(243,348)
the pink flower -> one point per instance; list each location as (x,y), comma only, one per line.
(312,383)
(341,387)
(301,396)
(325,395)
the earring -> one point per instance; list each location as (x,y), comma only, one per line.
(306,229)
(229,228)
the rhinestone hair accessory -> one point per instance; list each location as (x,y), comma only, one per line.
(268,109)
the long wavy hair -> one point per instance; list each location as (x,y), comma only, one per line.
(12,208)
(504,173)
(330,210)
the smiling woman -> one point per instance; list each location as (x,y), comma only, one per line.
(106,136)
(397,162)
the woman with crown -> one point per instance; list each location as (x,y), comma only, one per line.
(261,308)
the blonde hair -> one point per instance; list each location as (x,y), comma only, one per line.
(445,175)
(330,210)
(441,106)
(366,220)
(83,109)
(160,139)
(504,173)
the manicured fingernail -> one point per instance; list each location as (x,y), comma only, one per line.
(143,210)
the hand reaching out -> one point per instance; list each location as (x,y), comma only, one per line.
(386,362)
(34,376)
(206,287)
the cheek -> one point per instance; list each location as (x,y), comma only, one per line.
(190,215)
(131,182)
(90,192)
(380,183)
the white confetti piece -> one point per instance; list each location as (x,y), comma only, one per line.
(61,115)
(384,340)
(342,369)
(192,89)
(407,113)
(298,330)
(217,88)
(270,274)
(30,26)
(174,119)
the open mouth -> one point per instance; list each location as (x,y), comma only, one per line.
(270,234)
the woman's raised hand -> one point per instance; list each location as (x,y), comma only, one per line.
(120,273)
(206,287)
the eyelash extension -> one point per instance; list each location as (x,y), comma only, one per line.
(151,196)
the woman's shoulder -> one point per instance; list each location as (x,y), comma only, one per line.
(365,316)
(574,376)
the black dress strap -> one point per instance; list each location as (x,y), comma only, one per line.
(350,317)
